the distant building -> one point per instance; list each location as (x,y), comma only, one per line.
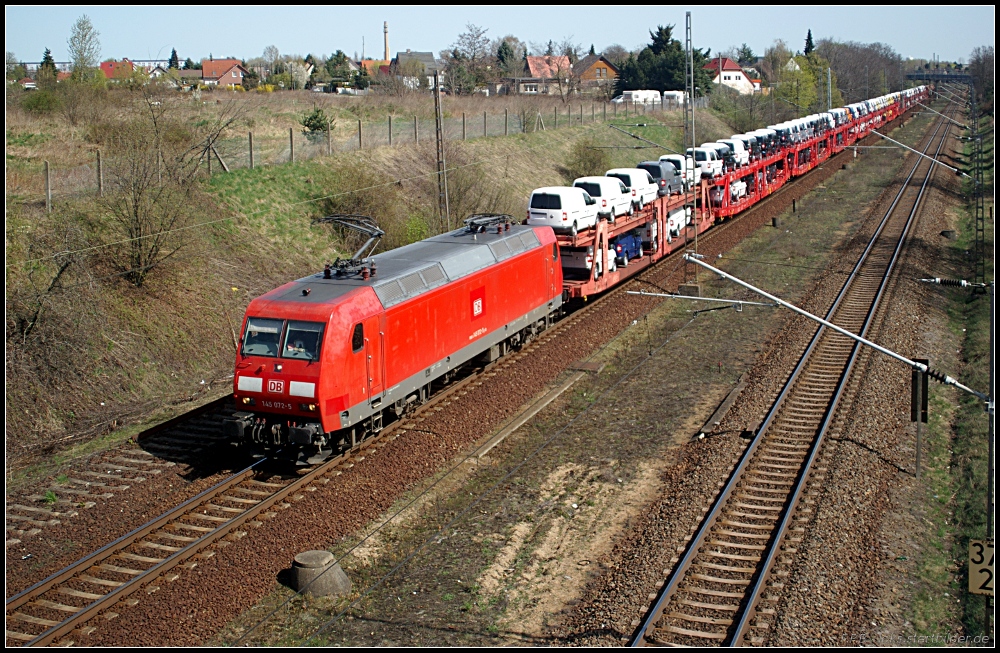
(411,65)
(595,72)
(117,69)
(222,72)
(731,75)
(541,74)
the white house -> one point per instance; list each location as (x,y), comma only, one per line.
(731,75)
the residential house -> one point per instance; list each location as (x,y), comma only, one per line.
(543,75)
(28,84)
(222,72)
(731,75)
(594,72)
(412,65)
(117,69)
(189,77)
(373,67)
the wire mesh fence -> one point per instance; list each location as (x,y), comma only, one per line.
(248,150)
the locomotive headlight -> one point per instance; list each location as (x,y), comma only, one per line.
(309,408)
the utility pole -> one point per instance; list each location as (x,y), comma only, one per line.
(689,138)
(442,171)
(829,90)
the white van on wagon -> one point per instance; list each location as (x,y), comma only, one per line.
(639,183)
(613,199)
(707,160)
(685,166)
(562,208)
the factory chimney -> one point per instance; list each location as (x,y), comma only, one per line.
(385,29)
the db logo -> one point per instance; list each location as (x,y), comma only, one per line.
(275,386)
(478,302)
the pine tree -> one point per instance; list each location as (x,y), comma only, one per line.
(174,61)
(592,51)
(809,44)
(47,61)
(46,76)
(506,57)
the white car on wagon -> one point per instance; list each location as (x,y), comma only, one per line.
(613,199)
(640,184)
(562,208)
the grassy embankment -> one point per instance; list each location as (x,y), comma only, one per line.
(955,485)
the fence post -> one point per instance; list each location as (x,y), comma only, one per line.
(250,138)
(100,175)
(555,117)
(415,139)
(48,189)
(505,121)
(208,156)
(616,111)
(581,113)
(463,125)
(359,135)
(390,130)
(593,112)
(291,145)
(485,134)
(329,138)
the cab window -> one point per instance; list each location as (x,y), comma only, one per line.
(262,337)
(302,340)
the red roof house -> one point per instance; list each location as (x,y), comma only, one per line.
(117,69)
(224,72)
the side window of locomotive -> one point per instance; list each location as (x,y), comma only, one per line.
(358,339)
(302,340)
(262,337)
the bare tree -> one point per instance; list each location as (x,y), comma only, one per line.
(84,47)
(152,157)
(616,54)
(272,56)
(981,64)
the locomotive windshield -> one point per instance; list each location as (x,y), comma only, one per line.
(262,337)
(302,340)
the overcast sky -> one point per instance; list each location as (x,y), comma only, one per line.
(149,32)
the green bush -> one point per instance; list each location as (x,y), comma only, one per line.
(40,102)
(315,121)
(585,160)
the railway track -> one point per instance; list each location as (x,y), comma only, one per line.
(724,588)
(53,609)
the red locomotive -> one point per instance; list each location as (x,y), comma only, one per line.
(326,360)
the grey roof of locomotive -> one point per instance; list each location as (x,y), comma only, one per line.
(417,268)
